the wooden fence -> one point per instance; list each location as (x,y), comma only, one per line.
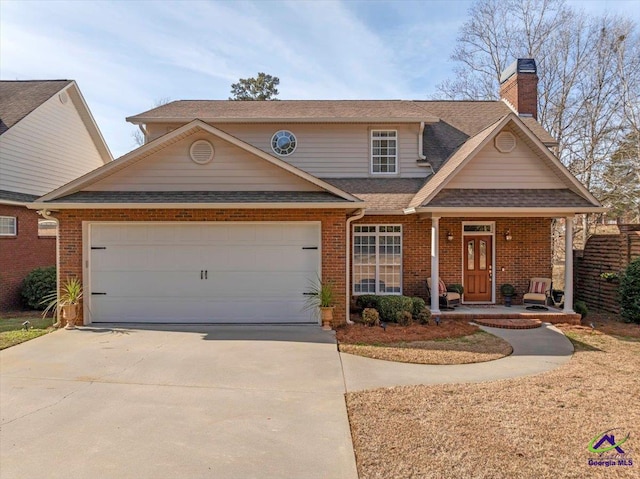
(603,254)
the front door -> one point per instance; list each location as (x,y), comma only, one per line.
(477,268)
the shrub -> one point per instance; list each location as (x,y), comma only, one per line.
(418,306)
(368,301)
(581,308)
(630,292)
(389,306)
(507,290)
(370,317)
(456,288)
(37,285)
(424,316)
(404,318)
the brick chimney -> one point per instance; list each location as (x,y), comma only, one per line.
(519,87)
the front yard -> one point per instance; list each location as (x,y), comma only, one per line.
(538,426)
(13,332)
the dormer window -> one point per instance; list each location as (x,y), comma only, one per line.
(384,152)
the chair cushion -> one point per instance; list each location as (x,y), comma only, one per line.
(539,287)
(538,297)
(453,296)
(442,288)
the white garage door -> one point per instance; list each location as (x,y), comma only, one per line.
(204,272)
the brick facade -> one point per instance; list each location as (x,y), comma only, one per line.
(526,256)
(521,92)
(333,236)
(20,254)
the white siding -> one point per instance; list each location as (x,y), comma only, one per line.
(326,150)
(48,148)
(232,169)
(521,168)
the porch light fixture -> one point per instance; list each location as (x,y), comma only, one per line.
(507,235)
(449,236)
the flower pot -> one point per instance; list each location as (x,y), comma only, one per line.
(326,314)
(70,313)
(507,301)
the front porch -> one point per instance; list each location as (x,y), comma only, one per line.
(552,315)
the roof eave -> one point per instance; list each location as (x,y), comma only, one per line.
(139,120)
(53,206)
(489,211)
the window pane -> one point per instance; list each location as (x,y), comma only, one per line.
(483,255)
(7,225)
(471,258)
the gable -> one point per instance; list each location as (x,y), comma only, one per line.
(523,167)
(231,169)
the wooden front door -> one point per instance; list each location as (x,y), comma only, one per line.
(477,268)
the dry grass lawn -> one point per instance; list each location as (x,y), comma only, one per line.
(532,427)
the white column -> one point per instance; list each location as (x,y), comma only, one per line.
(435,265)
(568,264)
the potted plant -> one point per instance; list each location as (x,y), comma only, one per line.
(508,291)
(321,297)
(609,276)
(67,302)
(456,288)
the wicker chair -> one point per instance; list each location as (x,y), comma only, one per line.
(539,292)
(447,299)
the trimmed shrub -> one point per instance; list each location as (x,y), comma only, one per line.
(389,306)
(418,306)
(424,316)
(630,292)
(370,317)
(581,308)
(38,284)
(404,318)
(368,301)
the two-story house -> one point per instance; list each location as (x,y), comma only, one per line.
(230,208)
(48,137)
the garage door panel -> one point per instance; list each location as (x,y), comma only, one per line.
(151,272)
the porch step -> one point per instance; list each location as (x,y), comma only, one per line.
(510,323)
(477,314)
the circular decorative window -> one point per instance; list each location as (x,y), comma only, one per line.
(201,152)
(283,143)
(505,142)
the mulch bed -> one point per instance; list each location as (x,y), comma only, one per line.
(361,334)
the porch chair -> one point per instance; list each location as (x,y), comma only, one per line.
(447,299)
(539,292)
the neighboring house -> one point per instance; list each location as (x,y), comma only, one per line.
(231,207)
(47,138)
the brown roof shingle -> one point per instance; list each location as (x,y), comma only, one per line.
(19,98)
(380,193)
(501,198)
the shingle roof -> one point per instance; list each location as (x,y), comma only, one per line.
(500,198)
(293,110)
(199,197)
(380,193)
(17,197)
(19,98)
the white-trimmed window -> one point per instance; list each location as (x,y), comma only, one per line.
(8,226)
(377,259)
(384,152)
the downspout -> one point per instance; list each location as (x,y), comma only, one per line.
(144,132)
(359,214)
(421,156)
(46,214)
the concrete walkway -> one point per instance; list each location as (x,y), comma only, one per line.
(534,351)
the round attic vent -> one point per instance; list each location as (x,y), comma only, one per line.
(201,152)
(63,97)
(505,142)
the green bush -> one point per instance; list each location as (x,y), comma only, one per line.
(370,317)
(404,318)
(37,285)
(418,306)
(368,301)
(389,306)
(630,292)
(581,308)
(424,316)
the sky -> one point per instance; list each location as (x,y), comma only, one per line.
(128,55)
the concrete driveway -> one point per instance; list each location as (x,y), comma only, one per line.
(163,402)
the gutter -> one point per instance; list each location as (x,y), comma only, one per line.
(420,142)
(194,206)
(46,214)
(358,215)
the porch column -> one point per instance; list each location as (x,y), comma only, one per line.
(435,266)
(568,265)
